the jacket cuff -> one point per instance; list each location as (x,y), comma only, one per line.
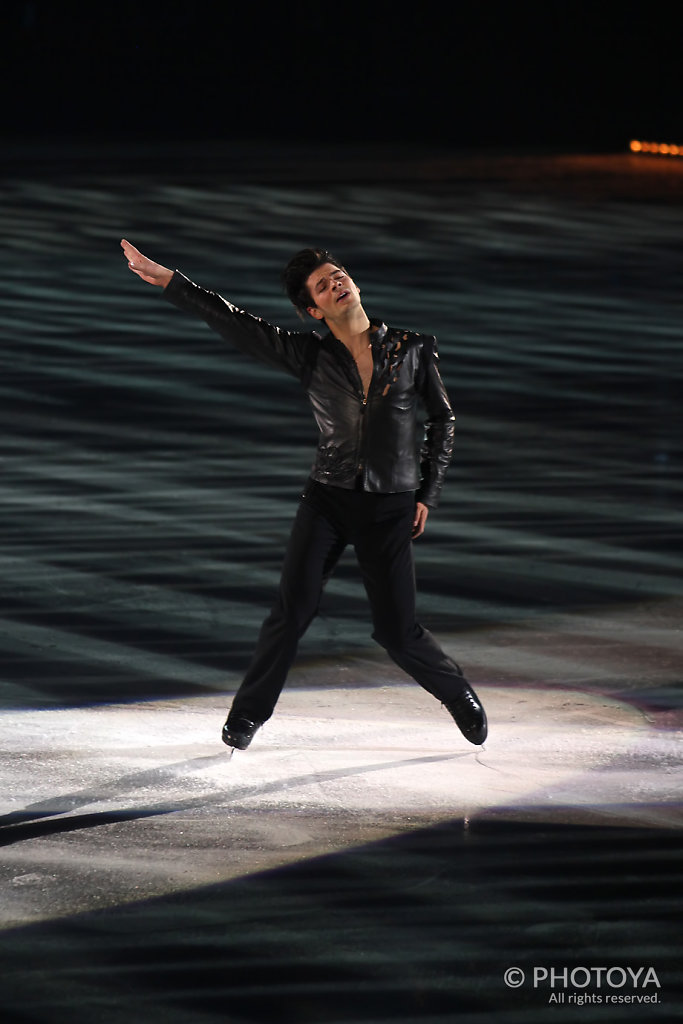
(431,500)
(176,288)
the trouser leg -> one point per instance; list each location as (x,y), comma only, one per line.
(385,555)
(314,548)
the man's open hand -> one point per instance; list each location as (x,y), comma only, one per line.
(152,273)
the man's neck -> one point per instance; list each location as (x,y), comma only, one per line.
(353,331)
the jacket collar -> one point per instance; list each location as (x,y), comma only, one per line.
(376,337)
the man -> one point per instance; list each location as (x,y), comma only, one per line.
(369,486)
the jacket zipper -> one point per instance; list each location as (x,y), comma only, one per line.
(361,438)
(360,469)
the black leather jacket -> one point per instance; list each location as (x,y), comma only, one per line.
(368,441)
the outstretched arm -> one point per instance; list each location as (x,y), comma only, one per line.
(152,273)
(286,350)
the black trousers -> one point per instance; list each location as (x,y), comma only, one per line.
(379,526)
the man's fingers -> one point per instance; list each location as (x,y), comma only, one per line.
(138,263)
(133,255)
(420,519)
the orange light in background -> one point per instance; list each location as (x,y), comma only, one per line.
(662,148)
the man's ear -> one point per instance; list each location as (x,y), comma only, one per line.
(314,312)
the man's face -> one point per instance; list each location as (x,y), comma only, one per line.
(333,293)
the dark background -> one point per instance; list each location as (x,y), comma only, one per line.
(568,75)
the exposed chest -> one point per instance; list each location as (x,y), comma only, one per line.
(387,368)
(364,362)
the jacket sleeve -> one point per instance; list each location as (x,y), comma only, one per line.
(437,448)
(284,350)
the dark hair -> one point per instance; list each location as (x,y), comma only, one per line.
(297,272)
